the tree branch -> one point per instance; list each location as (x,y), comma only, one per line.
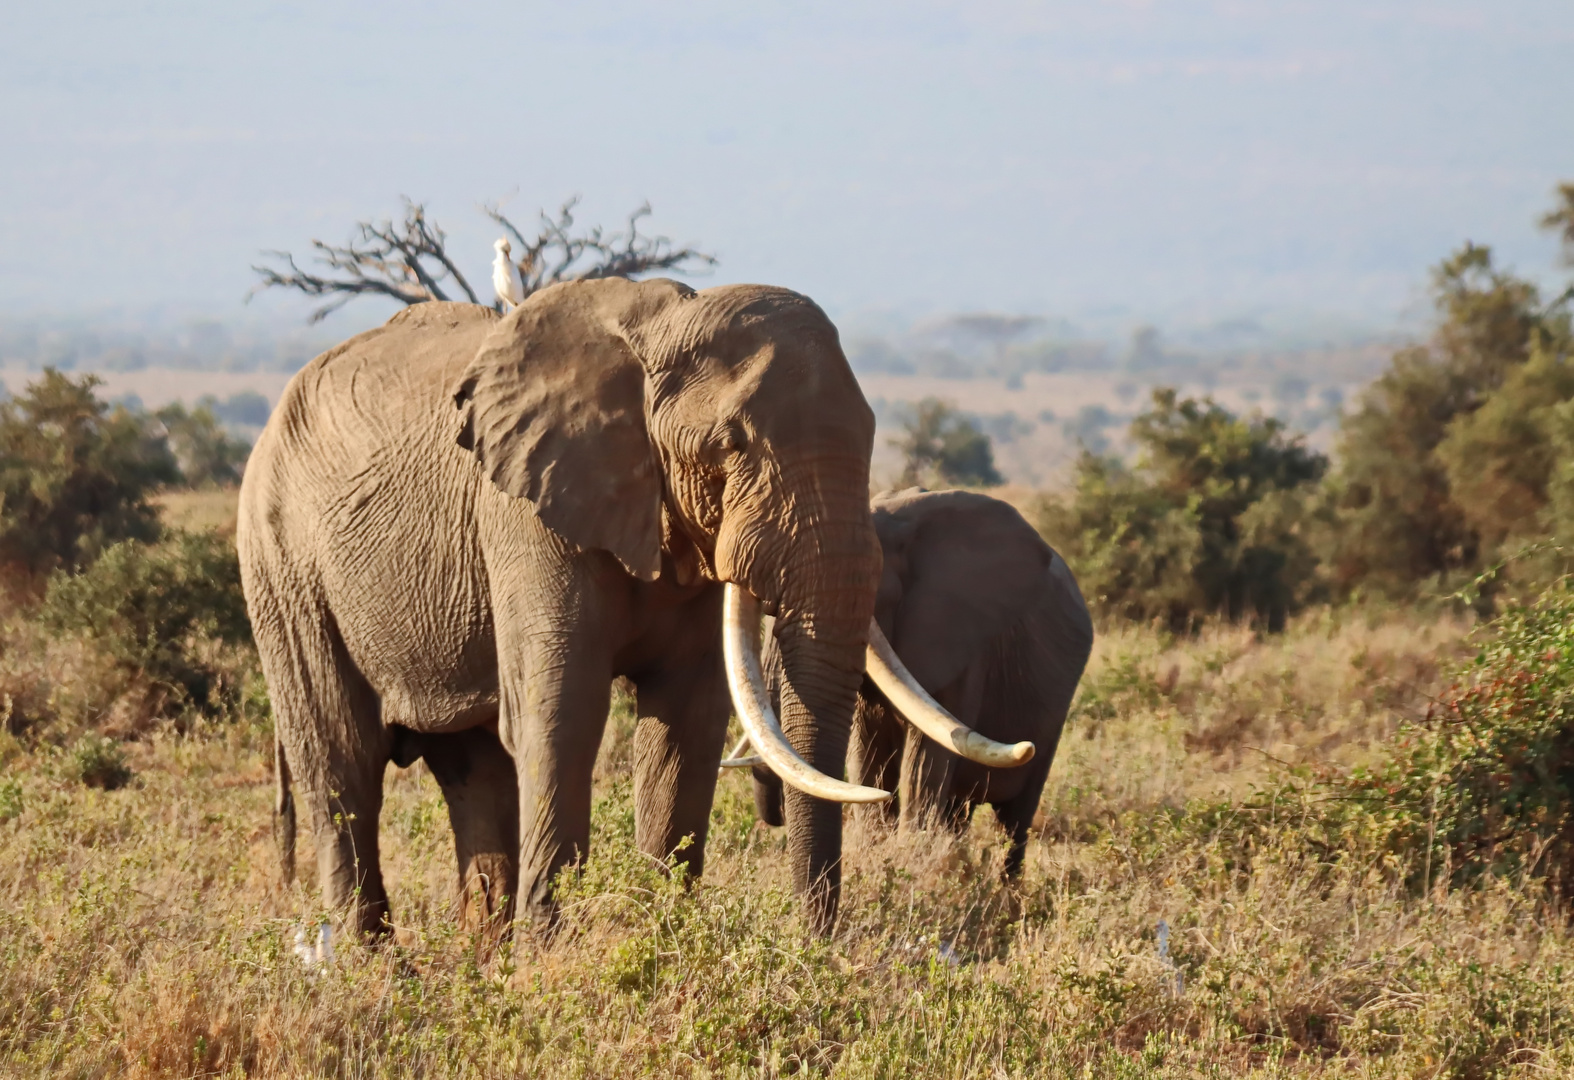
(556,254)
(408,261)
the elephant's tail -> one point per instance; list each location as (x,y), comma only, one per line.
(284,813)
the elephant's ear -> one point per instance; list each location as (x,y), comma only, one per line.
(553,407)
(973,567)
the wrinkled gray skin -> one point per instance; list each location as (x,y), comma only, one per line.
(990,621)
(457,529)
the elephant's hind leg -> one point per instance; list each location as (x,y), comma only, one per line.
(328,721)
(481,788)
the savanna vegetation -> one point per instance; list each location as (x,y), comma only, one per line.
(1452,479)
(1313,813)
(1350,837)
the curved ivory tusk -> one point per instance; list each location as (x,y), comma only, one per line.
(740,645)
(733,761)
(927,715)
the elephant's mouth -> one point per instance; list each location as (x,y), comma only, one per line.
(741,645)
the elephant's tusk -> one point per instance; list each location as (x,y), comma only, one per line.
(927,715)
(740,646)
(733,761)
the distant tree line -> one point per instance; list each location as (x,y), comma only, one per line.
(1453,475)
(93,344)
(1452,478)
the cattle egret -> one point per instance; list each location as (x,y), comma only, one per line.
(318,954)
(505,277)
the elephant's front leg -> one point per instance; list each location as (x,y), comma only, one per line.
(677,748)
(554,708)
(929,770)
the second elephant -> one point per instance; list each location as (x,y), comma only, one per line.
(991,622)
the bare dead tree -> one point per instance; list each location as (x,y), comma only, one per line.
(406,261)
(556,254)
(409,261)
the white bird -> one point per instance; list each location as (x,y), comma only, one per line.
(316,955)
(505,277)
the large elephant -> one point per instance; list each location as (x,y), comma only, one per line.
(458,528)
(990,621)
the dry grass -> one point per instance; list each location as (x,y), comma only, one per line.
(145,932)
(199,508)
(1161,720)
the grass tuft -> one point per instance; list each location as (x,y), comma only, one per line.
(97,762)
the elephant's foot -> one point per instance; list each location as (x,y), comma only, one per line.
(370,919)
(357,890)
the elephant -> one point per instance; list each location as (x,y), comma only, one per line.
(990,620)
(458,528)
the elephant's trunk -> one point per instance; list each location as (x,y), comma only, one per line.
(815,568)
(822,633)
(819,690)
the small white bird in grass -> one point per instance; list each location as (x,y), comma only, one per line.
(318,954)
(505,277)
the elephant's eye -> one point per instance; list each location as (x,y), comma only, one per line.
(727,438)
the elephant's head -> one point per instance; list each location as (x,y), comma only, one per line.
(716,435)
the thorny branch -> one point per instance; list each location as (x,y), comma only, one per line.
(408,260)
(556,253)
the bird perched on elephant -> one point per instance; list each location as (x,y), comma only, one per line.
(990,621)
(458,528)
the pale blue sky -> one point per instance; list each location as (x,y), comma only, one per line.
(1168,160)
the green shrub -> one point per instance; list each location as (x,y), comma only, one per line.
(1485,784)
(98,762)
(75,474)
(10,800)
(1448,454)
(1209,520)
(1481,788)
(1500,458)
(152,608)
(942,447)
(207,456)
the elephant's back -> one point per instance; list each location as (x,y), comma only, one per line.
(378,384)
(365,399)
